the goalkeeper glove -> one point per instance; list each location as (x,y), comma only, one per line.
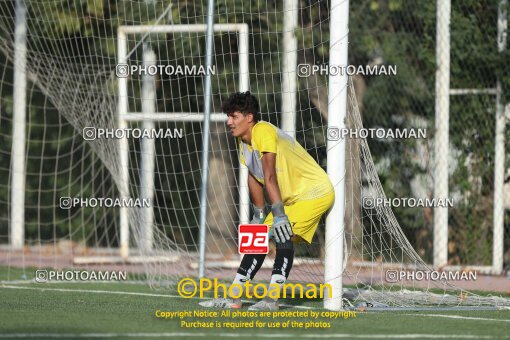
(281,224)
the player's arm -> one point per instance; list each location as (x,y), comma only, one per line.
(270,180)
(256,191)
(257,198)
(282,228)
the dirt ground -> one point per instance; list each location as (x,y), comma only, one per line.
(161,266)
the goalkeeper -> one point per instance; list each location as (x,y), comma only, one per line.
(298,189)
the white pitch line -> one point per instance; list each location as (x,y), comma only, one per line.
(87,291)
(122,293)
(257,335)
(25,282)
(458,317)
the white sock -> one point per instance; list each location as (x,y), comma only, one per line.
(240,279)
(279,280)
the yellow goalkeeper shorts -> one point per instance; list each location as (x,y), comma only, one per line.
(305,215)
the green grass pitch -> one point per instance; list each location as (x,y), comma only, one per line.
(68,310)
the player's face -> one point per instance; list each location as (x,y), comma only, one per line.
(239,124)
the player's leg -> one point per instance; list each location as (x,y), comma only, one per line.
(304,217)
(281,269)
(283,262)
(250,265)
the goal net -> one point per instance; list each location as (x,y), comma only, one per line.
(79,210)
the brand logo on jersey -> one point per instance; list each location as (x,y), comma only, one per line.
(253,239)
(280,281)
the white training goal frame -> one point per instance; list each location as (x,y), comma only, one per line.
(125,117)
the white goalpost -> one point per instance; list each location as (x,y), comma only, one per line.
(17,221)
(337,113)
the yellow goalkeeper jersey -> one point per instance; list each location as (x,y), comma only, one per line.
(299,176)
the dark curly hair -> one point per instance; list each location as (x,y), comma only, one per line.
(243,102)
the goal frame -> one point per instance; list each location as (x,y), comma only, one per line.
(125,116)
